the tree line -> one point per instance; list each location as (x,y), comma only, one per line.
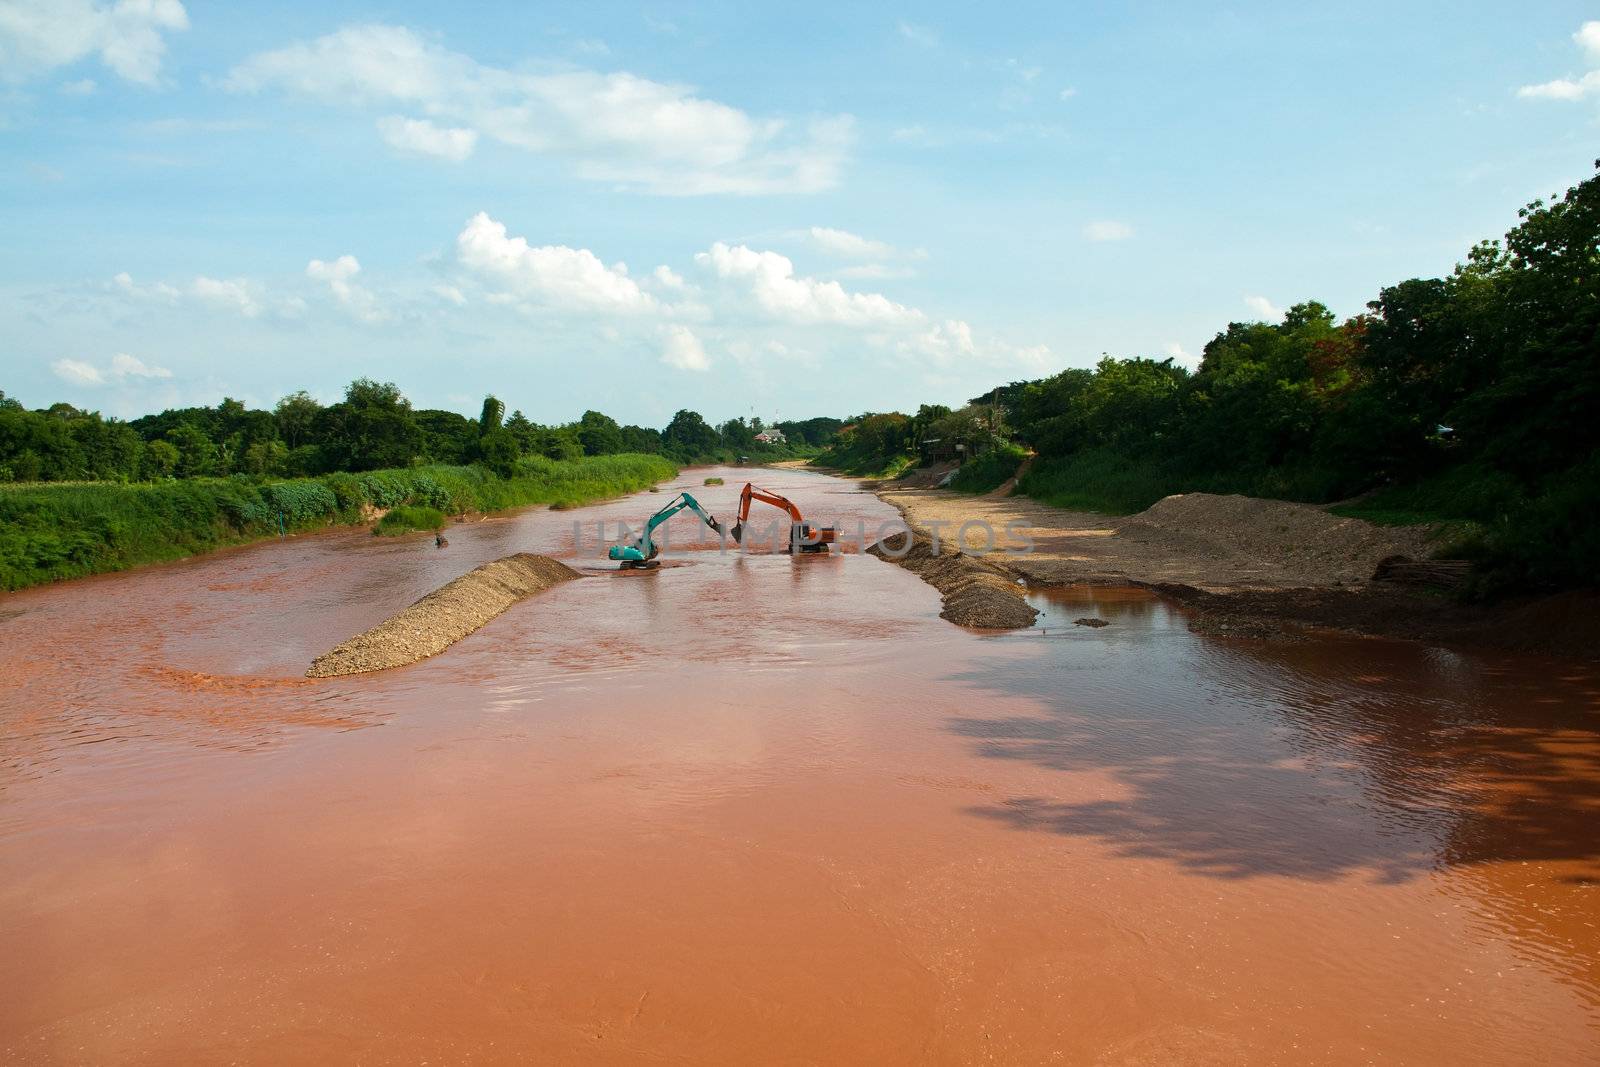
(1468,397)
(373,427)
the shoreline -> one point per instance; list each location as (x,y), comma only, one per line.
(1280,593)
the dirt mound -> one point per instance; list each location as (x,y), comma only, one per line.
(444,616)
(1303,541)
(976,592)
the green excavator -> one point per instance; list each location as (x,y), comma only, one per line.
(641,554)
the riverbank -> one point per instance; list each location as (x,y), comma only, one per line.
(1246,566)
(51,532)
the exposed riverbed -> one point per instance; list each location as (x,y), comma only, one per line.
(756,809)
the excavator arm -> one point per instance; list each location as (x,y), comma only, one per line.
(751,492)
(644,549)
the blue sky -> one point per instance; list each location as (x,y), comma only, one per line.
(809,209)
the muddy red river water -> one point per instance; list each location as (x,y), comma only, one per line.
(759,809)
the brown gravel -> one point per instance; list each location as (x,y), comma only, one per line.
(444,616)
(976,592)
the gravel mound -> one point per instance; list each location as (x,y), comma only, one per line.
(976,592)
(1306,542)
(444,616)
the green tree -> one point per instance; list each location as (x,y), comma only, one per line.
(160,460)
(641,439)
(738,435)
(266,457)
(296,416)
(599,434)
(499,452)
(373,427)
(490,417)
(688,437)
(197,455)
(525,432)
(447,436)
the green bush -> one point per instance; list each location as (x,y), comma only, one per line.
(988,471)
(407,518)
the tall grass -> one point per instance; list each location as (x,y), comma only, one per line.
(864,465)
(1469,492)
(1098,481)
(988,471)
(49,532)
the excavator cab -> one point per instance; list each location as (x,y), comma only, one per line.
(803,536)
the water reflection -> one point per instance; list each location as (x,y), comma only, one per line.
(1318,760)
(1312,759)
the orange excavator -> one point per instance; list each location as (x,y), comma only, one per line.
(803,536)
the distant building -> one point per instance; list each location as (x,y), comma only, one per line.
(773,436)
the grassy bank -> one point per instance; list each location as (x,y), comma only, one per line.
(49,532)
(989,471)
(1097,480)
(864,466)
(409,518)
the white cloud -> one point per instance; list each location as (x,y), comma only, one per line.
(846,245)
(683,350)
(668,278)
(235,295)
(1068,93)
(126,366)
(1178,354)
(765,282)
(1562,88)
(159,291)
(77,372)
(552,274)
(81,87)
(39,36)
(122,367)
(1107,230)
(944,342)
(450,294)
(1587,39)
(240,295)
(338,274)
(420,137)
(771,280)
(1264,308)
(616,128)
